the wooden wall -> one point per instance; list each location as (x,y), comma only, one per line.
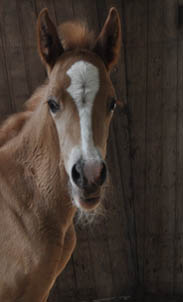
(154,71)
(138,246)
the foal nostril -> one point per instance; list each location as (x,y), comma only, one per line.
(77,174)
(88,176)
(103,174)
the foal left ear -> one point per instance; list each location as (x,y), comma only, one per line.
(49,45)
(108,43)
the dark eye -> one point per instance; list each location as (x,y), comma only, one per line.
(112,104)
(54,106)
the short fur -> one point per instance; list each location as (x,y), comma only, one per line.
(37,235)
(76,35)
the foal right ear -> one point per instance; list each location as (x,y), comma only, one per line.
(49,45)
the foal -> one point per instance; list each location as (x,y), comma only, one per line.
(52,156)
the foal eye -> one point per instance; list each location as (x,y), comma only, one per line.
(54,106)
(112,104)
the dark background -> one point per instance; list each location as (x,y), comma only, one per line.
(138,247)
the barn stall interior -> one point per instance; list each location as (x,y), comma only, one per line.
(134,252)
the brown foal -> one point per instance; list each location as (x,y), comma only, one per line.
(52,156)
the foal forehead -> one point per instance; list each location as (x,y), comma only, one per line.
(81,72)
(84,84)
(84,79)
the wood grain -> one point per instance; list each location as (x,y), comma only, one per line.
(139,243)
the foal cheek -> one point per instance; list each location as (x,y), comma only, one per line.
(72,128)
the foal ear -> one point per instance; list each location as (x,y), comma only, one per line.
(49,45)
(108,43)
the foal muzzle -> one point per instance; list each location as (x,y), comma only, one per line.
(89,175)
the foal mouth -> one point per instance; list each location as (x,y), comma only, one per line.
(92,199)
(89,203)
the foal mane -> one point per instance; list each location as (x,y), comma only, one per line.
(73,35)
(76,34)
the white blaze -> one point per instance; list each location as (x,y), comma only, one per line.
(83,89)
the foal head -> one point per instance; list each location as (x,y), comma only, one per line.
(81,99)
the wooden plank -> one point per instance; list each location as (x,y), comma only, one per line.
(122,169)
(83,264)
(14,53)
(167,218)
(118,226)
(101,262)
(169,158)
(63,10)
(84,11)
(27,20)
(162,18)
(168,175)
(137,103)
(165,264)
(101,12)
(161,190)
(178,290)
(178,255)
(5,96)
(136,68)
(153,179)
(124,148)
(161,149)
(136,23)
(40,4)
(136,30)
